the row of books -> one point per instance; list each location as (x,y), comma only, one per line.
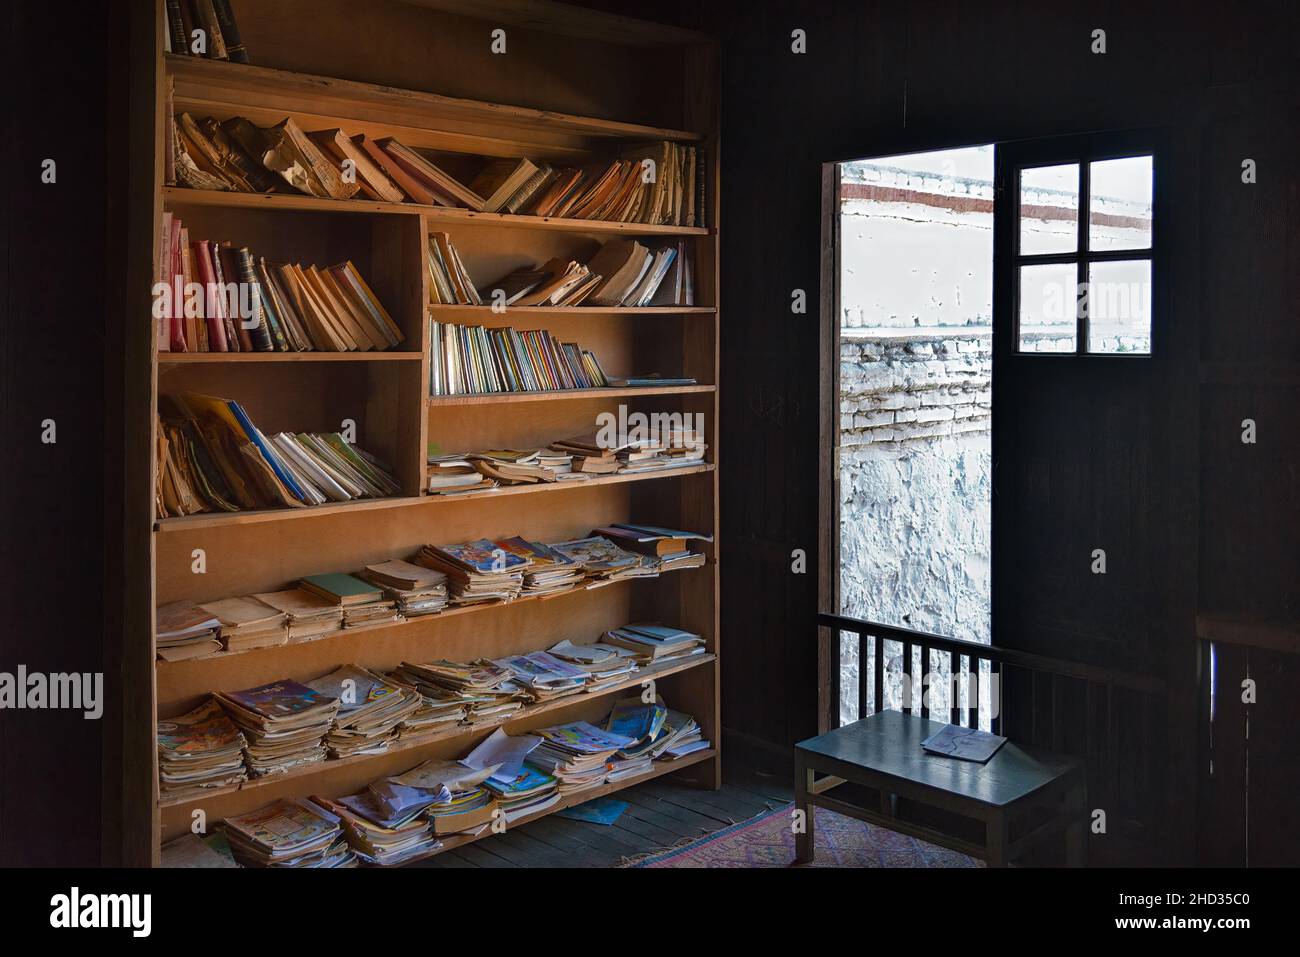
(203,28)
(576,459)
(623,272)
(476,360)
(399,818)
(466,573)
(283,725)
(237,155)
(211,457)
(213,297)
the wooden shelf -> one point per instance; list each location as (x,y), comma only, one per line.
(488,312)
(216,358)
(459,731)
(504,398)
(178,197)
(188,523)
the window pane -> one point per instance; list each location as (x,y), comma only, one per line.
(1048,308)
(1049,209)
(1119,204)
(1119,307)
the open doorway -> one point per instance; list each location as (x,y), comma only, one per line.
(915,399)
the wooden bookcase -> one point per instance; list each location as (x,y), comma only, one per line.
(580,85)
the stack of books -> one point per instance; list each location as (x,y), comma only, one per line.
(456,474)
(680,736)
(603,562)
(370,710)
(309,615)
(578,754)
(478,571)
(215,297)
(547,572)
(605,665)
(514,466)
(588,454)
(362,603)
(186,630)
(437,708)
(486,691)
(531,791)
(655,644)
(544,676)
(288,833)
(660,733)
(213,458)
(477,360)
(385,823)
(416,590)
(247,623)
(285,724)
(634,275)
(215,21)
(464,804)
(198,751)
(449,282)
(669,548)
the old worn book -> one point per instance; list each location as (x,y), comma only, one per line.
(450,191)
(372,179)
(300,162)
(499,180)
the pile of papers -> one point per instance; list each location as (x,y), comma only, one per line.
(385,823)
(463,804)
(655,643)
(288,833)
(579,754)
(199,750)
(185,630)
(485,691)
(247,623)
(603,562)
(544,676)
(285,724)
(309,615)
(361,602)
(479,571)
(416,589)
(370,710)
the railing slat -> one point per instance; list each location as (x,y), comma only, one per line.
(954,687)
(878,644)
(862,675)
(908,702)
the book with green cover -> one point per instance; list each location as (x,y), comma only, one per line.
(342,588)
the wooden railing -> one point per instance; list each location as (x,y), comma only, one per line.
(1114,719)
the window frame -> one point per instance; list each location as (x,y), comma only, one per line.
(1061,151)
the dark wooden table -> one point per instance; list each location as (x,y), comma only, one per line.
(1022,792)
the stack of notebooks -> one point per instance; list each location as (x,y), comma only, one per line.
(211,457)
(463,805)
(308,615)
(247,623)
(484,691)
(530,791)
(285,724)
(215,297)
(659,732)
(604,665)
(361,602)
(215,19)
(543,676)
(383,832)
(669,548)
(476,360)
(655,644)
(478,571)
(578,754)
(186,630)
(416,590)
(603,562)
(547,572)
(680,736)
(437,708)
(370,710)
(455,474)
(288,833)
(199,751)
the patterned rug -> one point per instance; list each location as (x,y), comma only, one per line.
(768,841)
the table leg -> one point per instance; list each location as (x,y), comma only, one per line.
(805,840)
(996,840)
(1076,829)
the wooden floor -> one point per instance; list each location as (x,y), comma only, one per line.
(660,814)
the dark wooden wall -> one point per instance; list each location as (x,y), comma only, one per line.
(1142,460)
